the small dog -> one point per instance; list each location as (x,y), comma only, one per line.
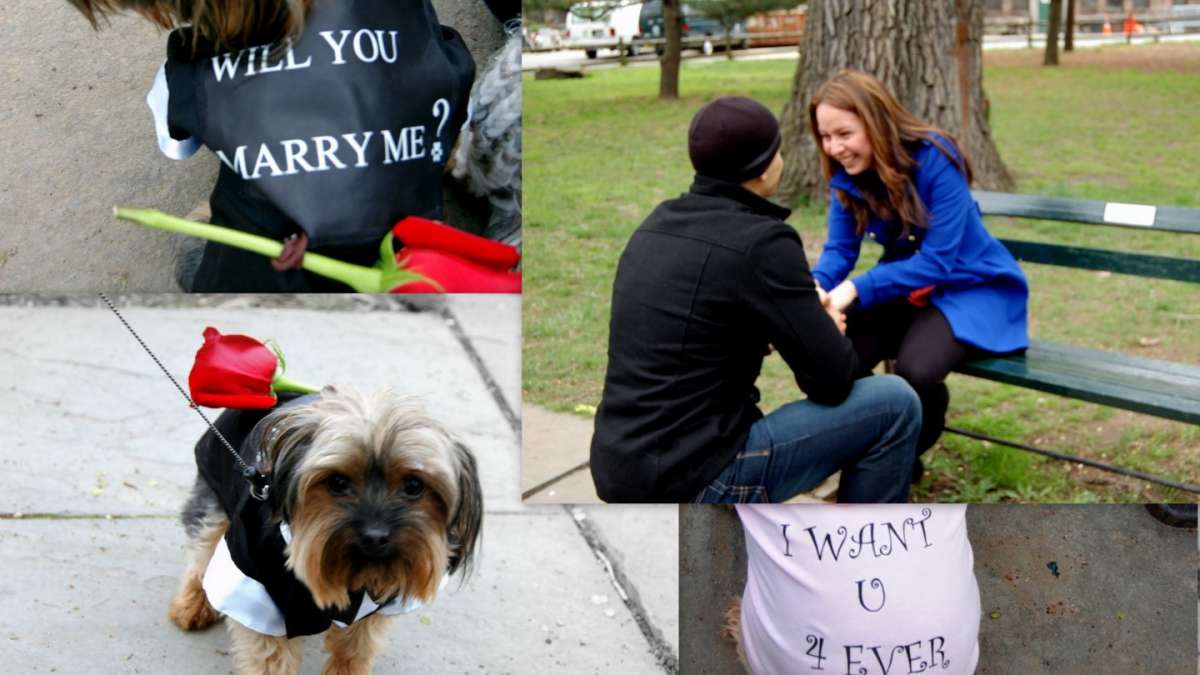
(371,505)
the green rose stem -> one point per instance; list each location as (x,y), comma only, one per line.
(281,383)
(379,279)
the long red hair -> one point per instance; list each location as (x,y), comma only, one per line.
(892,132)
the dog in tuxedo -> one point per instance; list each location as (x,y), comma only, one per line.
(370,505)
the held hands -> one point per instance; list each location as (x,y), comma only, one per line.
(843,296)
(838,316)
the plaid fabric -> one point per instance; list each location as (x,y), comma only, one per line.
(742,482)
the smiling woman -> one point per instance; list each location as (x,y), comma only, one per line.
(944,288)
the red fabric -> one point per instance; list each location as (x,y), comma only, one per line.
(455,274)
(420,233)
(920,297)
(232,371)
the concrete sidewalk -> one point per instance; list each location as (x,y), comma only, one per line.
(1124,599)
(554,461)
(97,461)
(554,456)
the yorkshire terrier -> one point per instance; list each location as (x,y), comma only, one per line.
(370,505)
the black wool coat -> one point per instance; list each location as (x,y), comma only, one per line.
(705,284)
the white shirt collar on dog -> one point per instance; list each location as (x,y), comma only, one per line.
(246,601)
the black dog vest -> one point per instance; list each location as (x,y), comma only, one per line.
(255,542)
(342,133)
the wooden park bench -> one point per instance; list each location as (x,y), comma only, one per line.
(1150,386)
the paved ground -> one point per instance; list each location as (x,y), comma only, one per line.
(554,461)
(97,460)
(76,137)
(1124,600)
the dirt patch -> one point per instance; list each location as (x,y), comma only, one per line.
(1175,57)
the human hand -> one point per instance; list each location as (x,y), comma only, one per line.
(822,296)
(843,296)
(839,318)
(293,253)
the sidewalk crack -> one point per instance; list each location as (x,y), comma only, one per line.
(659,647)
(514,421)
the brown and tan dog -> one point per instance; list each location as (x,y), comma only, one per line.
(372,504)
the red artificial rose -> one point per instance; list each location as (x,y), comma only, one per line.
(453,274)
(233,371)
(420,233)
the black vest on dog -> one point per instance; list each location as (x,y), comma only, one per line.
(341,135)
(255,541)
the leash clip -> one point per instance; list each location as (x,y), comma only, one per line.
(260,488)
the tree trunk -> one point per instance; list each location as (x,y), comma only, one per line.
(1052,34)
(668,78)
(928,53)
(1069,34)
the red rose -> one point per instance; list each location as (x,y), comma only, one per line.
(420,233)
(453,274)
(233,371)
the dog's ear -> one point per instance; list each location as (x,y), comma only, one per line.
(468,517)
(287,435)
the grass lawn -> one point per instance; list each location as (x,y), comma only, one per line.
(1118,123)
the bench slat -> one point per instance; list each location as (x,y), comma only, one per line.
(1178,219)
(1163,389)
(1166,218)
(1138,264)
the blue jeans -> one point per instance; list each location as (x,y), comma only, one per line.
(871,437)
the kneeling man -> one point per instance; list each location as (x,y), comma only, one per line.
(707,285)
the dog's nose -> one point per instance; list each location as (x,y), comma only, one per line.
(375,541)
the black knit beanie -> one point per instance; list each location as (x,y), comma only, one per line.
(733,138)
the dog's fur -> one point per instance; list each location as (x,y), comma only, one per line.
(347,470)
(221,24)
(732,630)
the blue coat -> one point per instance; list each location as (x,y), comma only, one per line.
(979,287)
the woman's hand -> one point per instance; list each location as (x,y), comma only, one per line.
(843,296)
(839,319)
(838,316)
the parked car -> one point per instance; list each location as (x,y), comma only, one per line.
(543,38)
(592,26)
(697,30)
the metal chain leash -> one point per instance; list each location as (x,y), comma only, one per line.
(260,489)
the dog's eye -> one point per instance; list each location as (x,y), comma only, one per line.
(413,487)
(339,484)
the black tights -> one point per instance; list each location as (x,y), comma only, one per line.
(920,340)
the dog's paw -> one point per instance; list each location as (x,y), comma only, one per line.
(190,610)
